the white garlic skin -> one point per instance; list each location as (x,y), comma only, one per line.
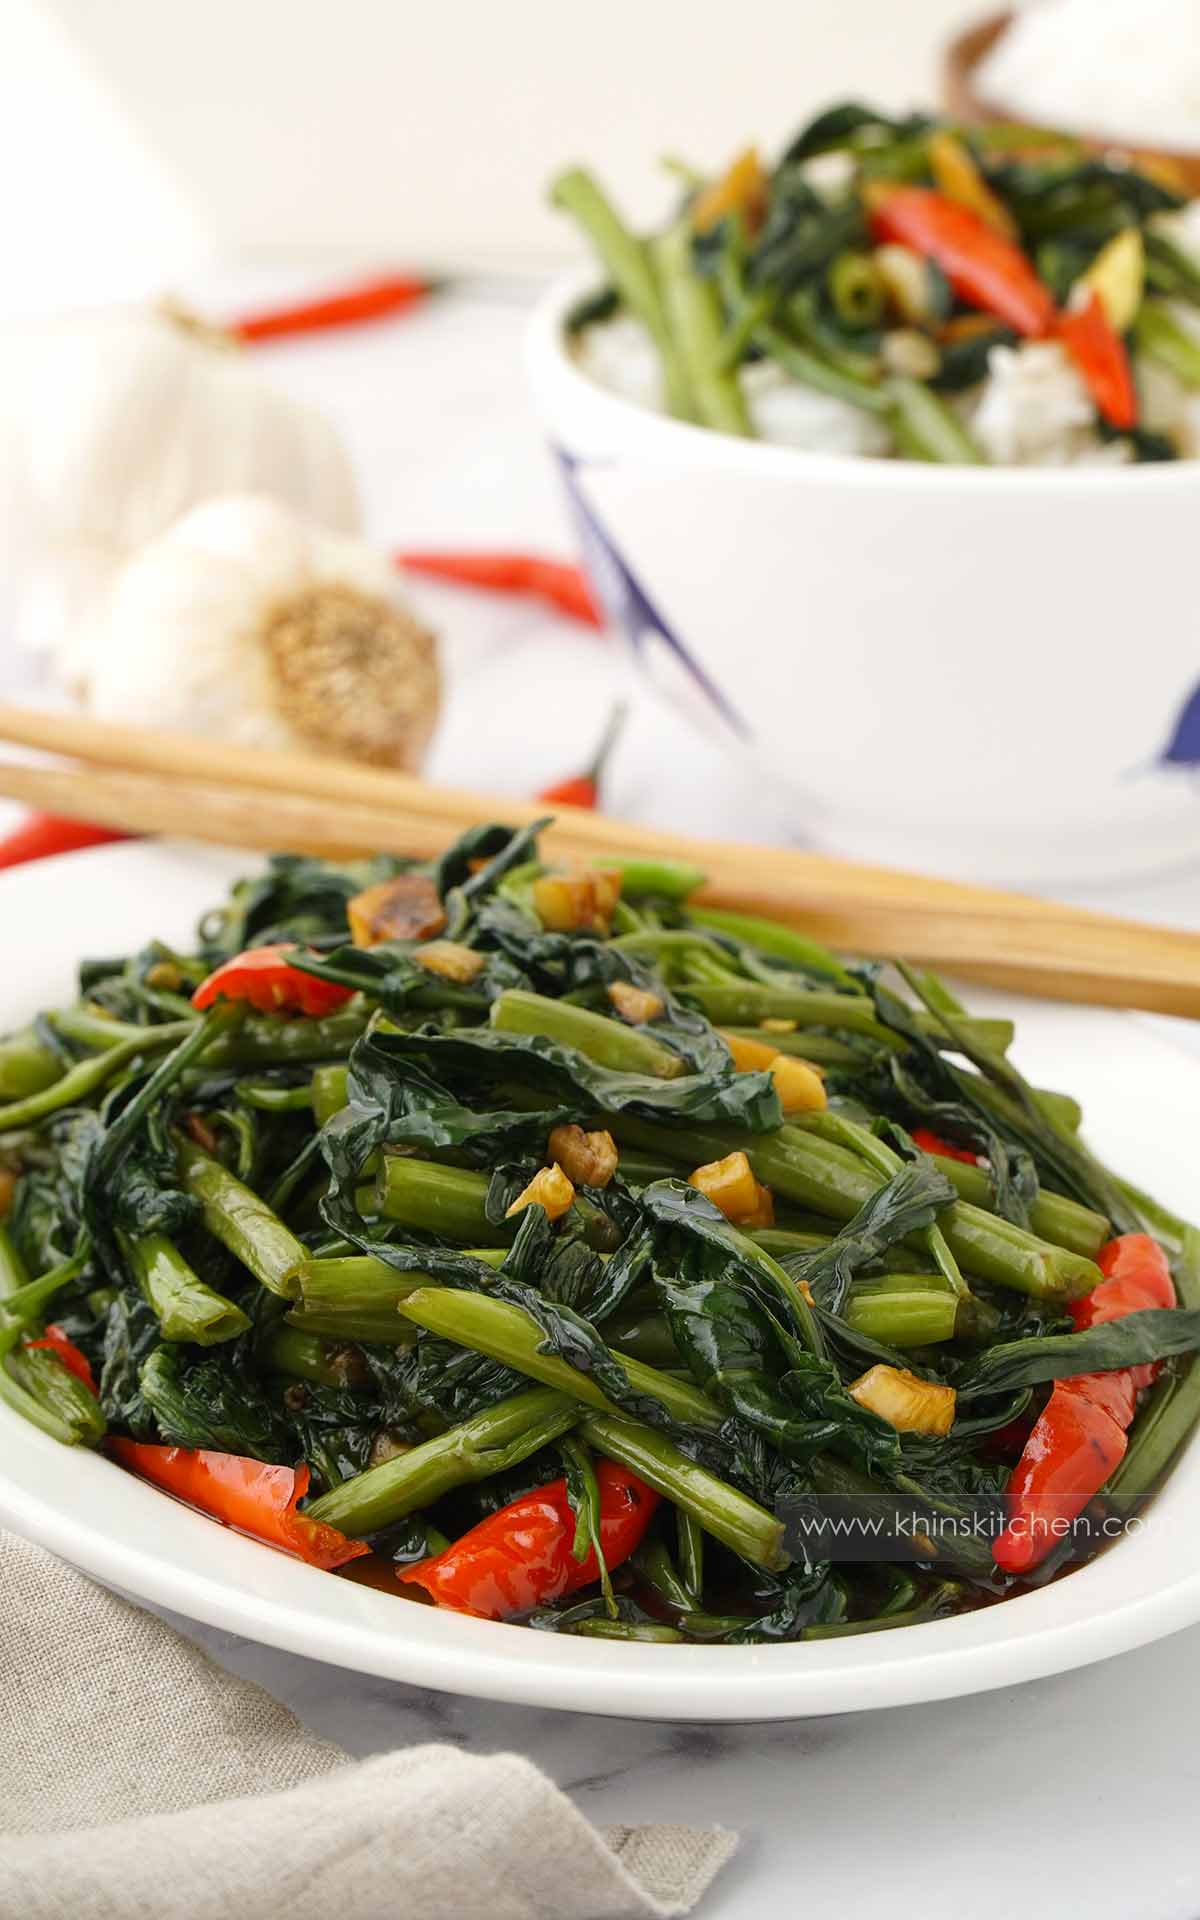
(178,643)
(112,425)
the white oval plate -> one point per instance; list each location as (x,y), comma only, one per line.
(1142,1099)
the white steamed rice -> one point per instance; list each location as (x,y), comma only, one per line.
(1126,68)
(619,354)
(1033,410)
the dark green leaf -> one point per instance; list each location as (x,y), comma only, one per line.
(851,122)
(131,1335)
(214,1402)
(1154,1334)
(570,1079)
(297,898)
(910,1202)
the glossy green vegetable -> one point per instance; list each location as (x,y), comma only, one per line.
(187,1309)
(241,1220)
(607,1042)
(295,1241)
(490,1443)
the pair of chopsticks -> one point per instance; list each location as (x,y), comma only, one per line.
(150,782)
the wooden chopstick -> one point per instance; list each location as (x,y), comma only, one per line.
(146,750)
(213,764)
(156,783)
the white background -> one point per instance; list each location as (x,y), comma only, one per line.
(137,134)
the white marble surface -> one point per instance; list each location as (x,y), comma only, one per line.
(1077,1793)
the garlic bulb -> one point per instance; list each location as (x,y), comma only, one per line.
(246,623)
(111,426)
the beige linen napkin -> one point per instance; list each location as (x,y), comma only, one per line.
(138,1781)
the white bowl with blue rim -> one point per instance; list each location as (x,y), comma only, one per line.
(991,671)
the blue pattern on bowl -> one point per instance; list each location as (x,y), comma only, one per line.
(625,599)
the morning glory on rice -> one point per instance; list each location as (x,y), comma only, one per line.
(909,288)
